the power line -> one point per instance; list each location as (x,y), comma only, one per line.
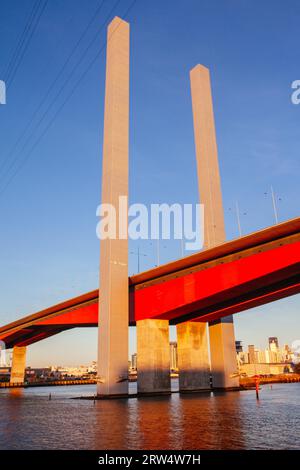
(43,101)
(35,23)
(83,55)
(5,73)
(24,50)
(82,76)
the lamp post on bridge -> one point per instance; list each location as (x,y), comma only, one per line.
(238,217)
(158,251)
(182,247)
(138,254)
(274,204)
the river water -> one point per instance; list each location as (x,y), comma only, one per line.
(232,420)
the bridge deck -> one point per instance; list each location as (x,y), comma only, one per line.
(229,278)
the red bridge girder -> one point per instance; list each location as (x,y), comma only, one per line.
(240,274)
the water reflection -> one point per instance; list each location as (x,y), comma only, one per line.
(29,420)
(110,424)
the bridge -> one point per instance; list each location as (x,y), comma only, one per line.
(204,289)
(229,278)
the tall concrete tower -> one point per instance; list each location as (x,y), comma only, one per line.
(221,332)
(113,303)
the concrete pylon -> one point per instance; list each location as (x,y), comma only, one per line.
(223,354)
(113,304)
(17,374)
(223,365)
(193,363)
(153,357)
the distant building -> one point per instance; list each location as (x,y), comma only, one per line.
(37,374)
(73,372)
(242,358)
(257,356)
(265,362)
(251,353)
(287,354)
(92,369)
(5,357)
(173,356)
(4,374)
(261,357)
(134,361)
(264,369)
(273,343)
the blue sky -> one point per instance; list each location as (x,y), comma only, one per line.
(49,250)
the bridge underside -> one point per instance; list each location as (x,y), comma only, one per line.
(232,277)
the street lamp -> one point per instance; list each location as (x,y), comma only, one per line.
(238,217)
(158,248)
(274,203)
(138,254)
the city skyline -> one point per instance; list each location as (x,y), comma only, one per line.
(272,344)
(249,321)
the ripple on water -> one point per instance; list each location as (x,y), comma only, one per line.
(233,420)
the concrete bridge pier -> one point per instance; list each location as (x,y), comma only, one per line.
(222,341)
(223,354)
(17,374)
(113,304)
(193,362)
(153,357)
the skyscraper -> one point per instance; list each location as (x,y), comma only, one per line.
(173,356)
(134,361)
(273,343)
(251,352)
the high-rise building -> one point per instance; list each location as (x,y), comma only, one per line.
(242,358)
(262,357)
(286,353)
(267,361)
(251,352)
(273,343)
(134,361)
(256,356)
(272,357)
(173,356)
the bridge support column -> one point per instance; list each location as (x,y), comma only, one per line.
(113,298)
(153,357)
(222,334)
(223,354)
(193,363)
(17,374)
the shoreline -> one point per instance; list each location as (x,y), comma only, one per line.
(246,383)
